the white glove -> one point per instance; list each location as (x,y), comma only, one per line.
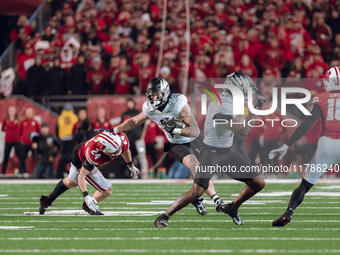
(279,151)
(134,172)
(91,203)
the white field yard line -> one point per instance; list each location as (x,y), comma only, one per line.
(187,221)
(156,208)
(182,229)
(149,251)
(164,181)
(171,238)
(176,229)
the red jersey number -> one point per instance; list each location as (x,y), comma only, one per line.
(333,112)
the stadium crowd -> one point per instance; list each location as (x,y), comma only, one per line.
(112,47)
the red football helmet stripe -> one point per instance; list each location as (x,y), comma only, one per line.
(106,138)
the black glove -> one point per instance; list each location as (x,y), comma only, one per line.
(259,101)
(169,125)
(222,116)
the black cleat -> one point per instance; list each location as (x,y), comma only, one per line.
(283,220)
(219,203)
(232,211)
(89,211)
(44,204)
(200,207)
(161,221)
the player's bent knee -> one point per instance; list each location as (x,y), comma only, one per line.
(68,183)
(109,191)
(257,183)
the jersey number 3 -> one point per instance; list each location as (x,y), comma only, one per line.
(333,112)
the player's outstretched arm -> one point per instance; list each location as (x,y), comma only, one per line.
(303,128)
(128,159)
(131,123)
(191,129)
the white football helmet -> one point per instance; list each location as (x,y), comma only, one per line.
(332,79)
(110,143)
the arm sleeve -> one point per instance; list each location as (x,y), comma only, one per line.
(87,165)
(306,124)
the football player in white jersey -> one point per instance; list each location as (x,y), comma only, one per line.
(216,150)
(327,107)
(172,114)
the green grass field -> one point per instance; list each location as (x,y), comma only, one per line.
(131,210)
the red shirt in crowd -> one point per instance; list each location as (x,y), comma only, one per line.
(12,130)
(26,127)
(98,124)
(24,63)
(272,128)
(152,131)
(96,80)
(273,58)
(144,75)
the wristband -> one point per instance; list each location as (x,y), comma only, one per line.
(115,130)
(177,131)
(130,164)
(85,193)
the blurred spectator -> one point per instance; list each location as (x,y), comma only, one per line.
(96,77)
(82,130)
(145,71)
(178,171)
(247,67)
(21,31)
(44,152)
(321,32)
(133,134)
(10,126)
(101,121)
(152,131)
(25,60)
(77,77)
(26,128)
(165,73)
(64,131)
(36,78)
(7,77)
(122,77)
(253,139)
(272,132)
(273,57)
(57,79)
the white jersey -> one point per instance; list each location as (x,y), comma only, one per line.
(219,136)
(172,109)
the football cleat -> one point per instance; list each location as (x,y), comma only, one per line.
(283,220)
(200,207)
(161,221)
(44,204)
(219,203)
(232,211)
(89,211)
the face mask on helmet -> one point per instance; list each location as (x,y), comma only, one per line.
(240,80)
(158,92)
(109,143)
(331,79)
